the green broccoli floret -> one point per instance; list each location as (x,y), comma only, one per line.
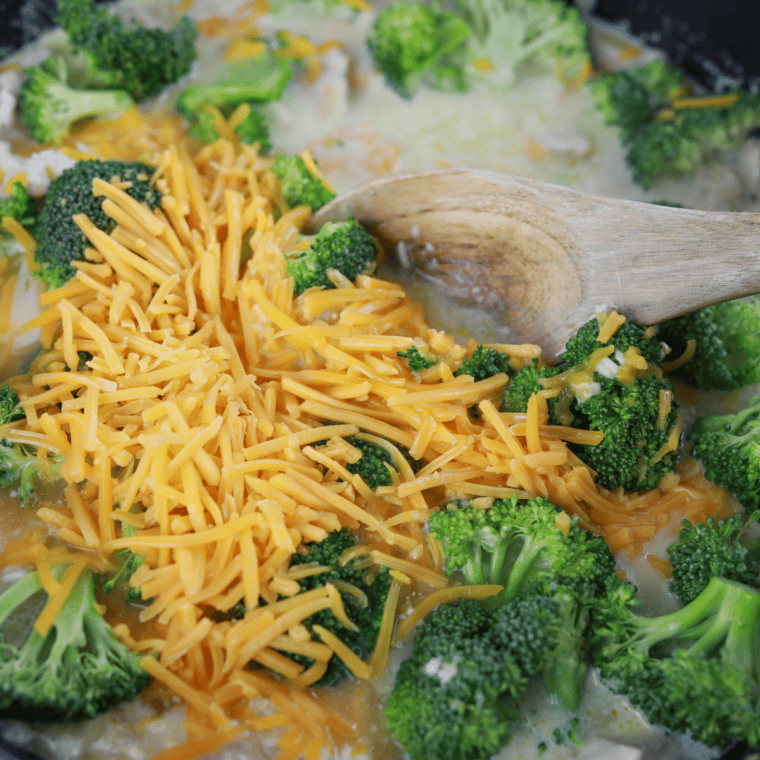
(515,543)
(134,58)
(20,468)
(526,382)
(455,696)
(450,699)
(624,401)
(59,241)
(608,395)
(19,465)
(343,246)
(19,205)
(628,415)
(376,462)
(414,43)
(373,466)
(545,629)
(581,345)
(9,405)
(529,550)
(484,363)
(727,338)
(249,80)
(80,71)
(76,670)
(128,562)
(298,186)
(696,670)
(366,616)
(659,136)
(729,447)
(525,36)
(252,129)
(49,106)
(417,359)
(711,550)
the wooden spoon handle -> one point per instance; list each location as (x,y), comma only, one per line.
(547,258)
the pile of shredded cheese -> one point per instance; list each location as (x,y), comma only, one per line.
(194,424)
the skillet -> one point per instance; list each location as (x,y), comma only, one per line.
(713,42)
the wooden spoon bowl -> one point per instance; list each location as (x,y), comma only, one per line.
(545,258)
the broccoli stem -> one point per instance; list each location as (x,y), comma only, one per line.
(733,628)
(564,677)
(94,103)
(14,596)
(529,552)
(725,614)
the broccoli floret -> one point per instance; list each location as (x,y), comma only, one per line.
(80,71)
(620,394)
(629,416)
(367,617)
(659,136)
(376,462)
(695,670)
(414,43)
(514,543)
(75,670)
(373,466)
(455,696)
(727,344)
(9,405)
(630,334)
(59,241)
(298,186)
(525,36)
(729,447)
(50,106)
(203,128)
(19,205)
(21,466)
(450,698)
(484,363)
(250,80)
(417,359)
(137,59)
(343,246)
(711,550)
(253,128)
(526,382)
(128,562)
(544,629)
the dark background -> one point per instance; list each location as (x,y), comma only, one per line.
(22,21)
(715,41)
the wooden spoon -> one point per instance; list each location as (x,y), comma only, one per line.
(545,258)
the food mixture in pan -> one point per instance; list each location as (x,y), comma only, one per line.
(268,494)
